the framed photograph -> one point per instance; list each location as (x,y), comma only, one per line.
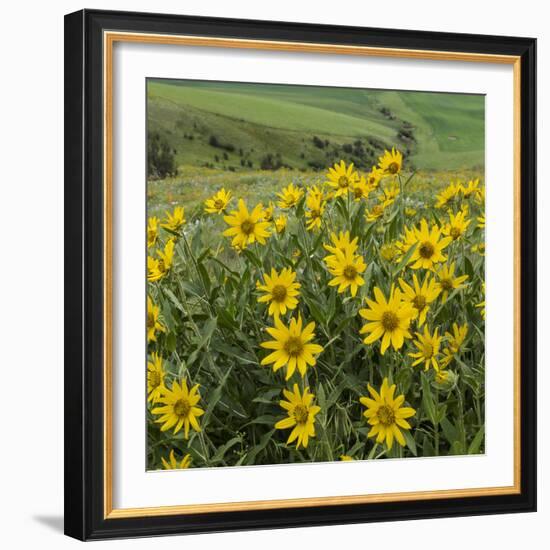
(300,274)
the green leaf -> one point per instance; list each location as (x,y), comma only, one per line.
(174,299)
(239,354)
(427,400)
(321,398)
(476,443)
(226,320)
(457,448)
(315,311)
(409,440)
(214,397)
(220,453)
(206,334)
(204,277)
(252,258)
(268,396)
(405,260)
(266,419)
(171,342)
(265,439)
(449,431)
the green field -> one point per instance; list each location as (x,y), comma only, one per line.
(308,128)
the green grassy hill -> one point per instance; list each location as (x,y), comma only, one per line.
(237,126)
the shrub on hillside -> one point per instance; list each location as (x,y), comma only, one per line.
(161,158)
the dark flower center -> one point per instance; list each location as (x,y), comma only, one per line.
(428,350)
(455,233)
(386,415)
(182,407)
(247,227)
(218,204)
(343,182)
(300,414)
(393,168)
(350,272)
(154,379)
(419,302)
(294,346)
(279,293)
(446,284)
(390,321)
(150,320)
(426,250)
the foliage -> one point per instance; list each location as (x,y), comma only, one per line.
(213,324)
(161,159)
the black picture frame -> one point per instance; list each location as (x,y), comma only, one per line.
(84,281)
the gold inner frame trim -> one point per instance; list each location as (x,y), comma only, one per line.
(109,39)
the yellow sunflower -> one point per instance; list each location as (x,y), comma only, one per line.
(472,188)
(410,212)
(341,242)
(153,323)
(388,252)
(479,197)
(481,221)
(341,177)
(346,268)
(346,458)
(174,464)
(218,202)
(479,248)
(447,282)
(179,408)
(152,231)
(158,267)
(360,189)
(420,297)
(246,228)
(374,177)
(174,222)
(292,346)
(429,250)
(280,223)
(482,304)
(407,240)
(389,194)
(290,196)
(375,213)
(386,414)
(457,225)
(315,209)
(301,416)
(455,340)
(388,320)
(281,290)
(269,212)
(428,349)
(449,194)
(315,191)
(155,378)
(391,162)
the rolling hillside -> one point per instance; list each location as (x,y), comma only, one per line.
(237,126)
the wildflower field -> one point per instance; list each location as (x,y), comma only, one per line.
(315,315)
